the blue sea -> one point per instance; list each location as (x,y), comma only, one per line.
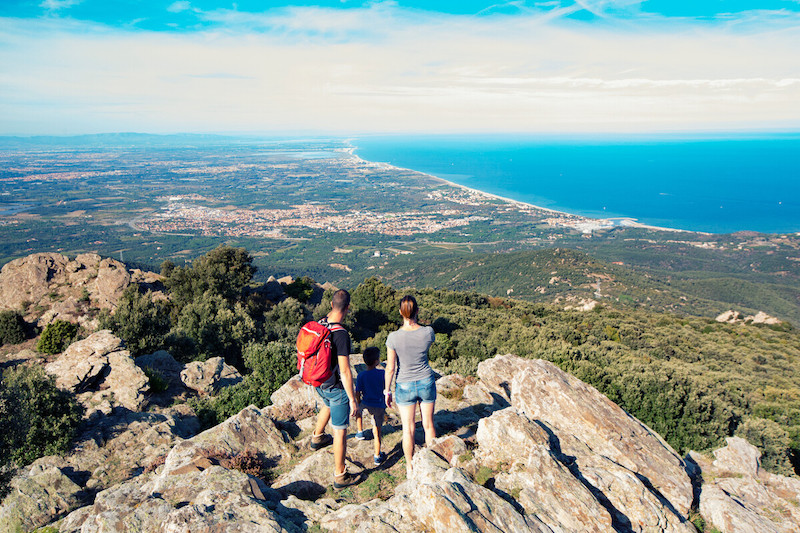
(717,184)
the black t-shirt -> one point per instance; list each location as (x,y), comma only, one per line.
(340,344)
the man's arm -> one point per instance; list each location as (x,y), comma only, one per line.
(342,341)
(347,381)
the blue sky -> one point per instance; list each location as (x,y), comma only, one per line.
(346,67)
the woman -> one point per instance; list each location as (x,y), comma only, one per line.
(407,353)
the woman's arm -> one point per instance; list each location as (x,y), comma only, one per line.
(391,366)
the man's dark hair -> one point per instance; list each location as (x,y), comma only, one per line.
(340,300)
(372,355)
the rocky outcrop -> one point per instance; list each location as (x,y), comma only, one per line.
(192,492)
(735,317)
(208,377)
(64,288)
(38,496)
(164,363)
(109,452)
(526,447)
(737,496)
(102,374)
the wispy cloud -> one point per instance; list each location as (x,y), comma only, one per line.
(56,5)
(383,68)
(179,6)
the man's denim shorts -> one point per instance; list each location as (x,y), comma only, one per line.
(337,401)
(411,392)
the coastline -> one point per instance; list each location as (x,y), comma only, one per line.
(583,223)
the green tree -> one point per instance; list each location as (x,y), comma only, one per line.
(12,327)
(224,271)
(301,289)
(374,304)
(57,336)
(142,322)
(36,418)
(209,326)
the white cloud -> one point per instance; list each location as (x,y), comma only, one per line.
(179,6)
(384,69)
(56,5)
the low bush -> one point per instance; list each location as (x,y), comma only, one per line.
(12,327)
(36,418)
(57,336)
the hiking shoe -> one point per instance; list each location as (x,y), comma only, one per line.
(320,441)
(345,480)
(379,459)
(360,436)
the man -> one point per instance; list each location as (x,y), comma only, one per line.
(337,393)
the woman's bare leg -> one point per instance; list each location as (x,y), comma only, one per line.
(407,415)
(426,410)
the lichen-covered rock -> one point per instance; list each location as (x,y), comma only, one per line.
(600,434)
(250,429)
(83,363)
(531,472)
(63,288)
(38,496)
(102,373)
(312,476)
(738,496)
(162,362)
(294,400)
(208,377)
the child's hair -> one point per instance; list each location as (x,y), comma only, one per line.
(372,355)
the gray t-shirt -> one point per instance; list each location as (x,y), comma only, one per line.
(412,353)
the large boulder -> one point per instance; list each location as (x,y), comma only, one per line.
(437,498)
(52,286)
(738,496)
(194,491)
(630,464)
(250,429)
(208,377)
(38,496)
(530,471)
(102,374)
(164,363)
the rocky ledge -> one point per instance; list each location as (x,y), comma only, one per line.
(526,447)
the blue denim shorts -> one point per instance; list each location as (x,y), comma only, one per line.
(337,401)
(411,392)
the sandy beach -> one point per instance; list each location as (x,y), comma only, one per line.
(580,222)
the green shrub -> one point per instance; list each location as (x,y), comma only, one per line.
(271,366)
(12,328)
(36,418)
(158,383)
(57,336)
(301,289)
(143,323)
(772,440)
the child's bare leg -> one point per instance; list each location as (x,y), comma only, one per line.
(377,432)
(359,422)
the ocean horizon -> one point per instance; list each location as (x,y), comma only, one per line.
(715,184)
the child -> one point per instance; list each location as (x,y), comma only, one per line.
(369,394)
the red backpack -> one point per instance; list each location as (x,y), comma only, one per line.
(314,353)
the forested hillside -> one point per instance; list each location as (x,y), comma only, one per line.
(556,274)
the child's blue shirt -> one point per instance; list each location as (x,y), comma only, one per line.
(370,384)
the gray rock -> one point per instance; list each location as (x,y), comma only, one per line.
(82,364)
(102,373)
(164,363)
(605,440)
(737,496)
(531,472)
(208,377)
(38,496)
